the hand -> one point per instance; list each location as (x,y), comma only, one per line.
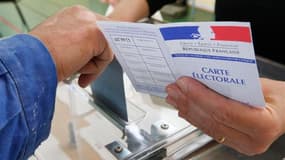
(111,2)
(244,128)
(75,43)
(123,12)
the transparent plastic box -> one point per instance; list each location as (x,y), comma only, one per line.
(153,129)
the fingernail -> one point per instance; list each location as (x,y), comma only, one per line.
(183,85)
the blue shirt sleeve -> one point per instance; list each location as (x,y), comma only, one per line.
(27,95)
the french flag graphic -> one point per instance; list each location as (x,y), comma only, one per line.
(221,33)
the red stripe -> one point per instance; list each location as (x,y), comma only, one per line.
(10,25)
(232,33)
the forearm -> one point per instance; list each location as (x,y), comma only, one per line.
(27,95)
(130,10)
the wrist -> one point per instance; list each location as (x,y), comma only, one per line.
(50,49)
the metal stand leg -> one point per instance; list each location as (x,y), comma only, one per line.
(72,125)
(21,16)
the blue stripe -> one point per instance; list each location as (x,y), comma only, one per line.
(236,59)
(180,32)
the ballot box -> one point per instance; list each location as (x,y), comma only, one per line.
(132,125)
(125,124)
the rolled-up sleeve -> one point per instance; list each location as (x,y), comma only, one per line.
(27,95)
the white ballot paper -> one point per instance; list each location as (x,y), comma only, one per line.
(218,54)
